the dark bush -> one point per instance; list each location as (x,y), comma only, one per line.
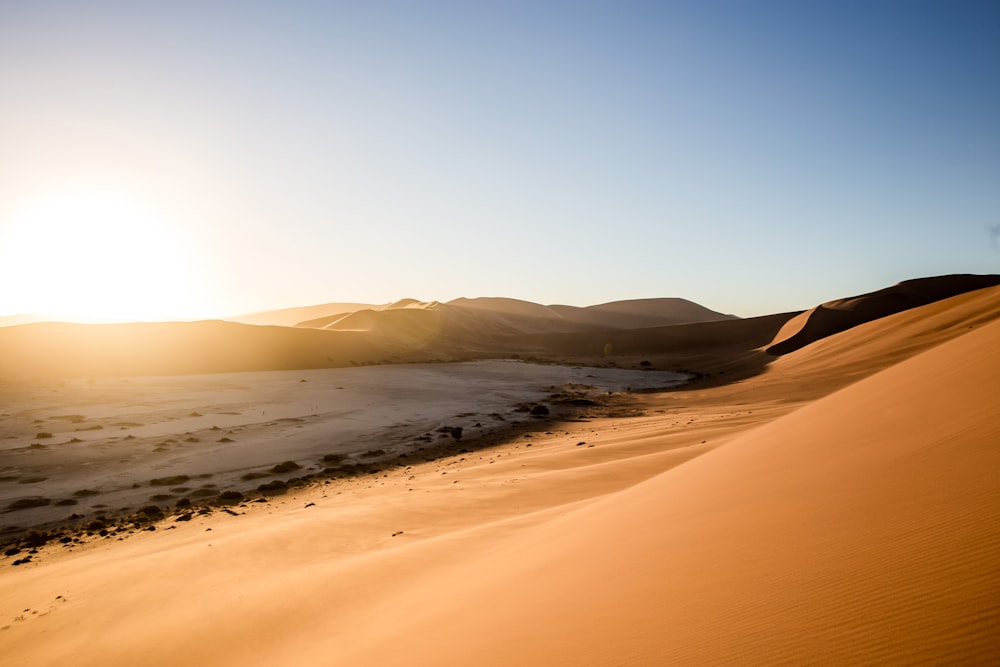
(151,511)
(35,538)
(230,497)
(285,466)
(274,487)
(169,481)
(28,503)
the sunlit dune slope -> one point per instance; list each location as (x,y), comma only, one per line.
(170,348)
(287,317)
(864,528)
(835,316)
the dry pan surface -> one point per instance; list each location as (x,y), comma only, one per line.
(80,446)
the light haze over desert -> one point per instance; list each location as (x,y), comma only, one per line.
(434,333)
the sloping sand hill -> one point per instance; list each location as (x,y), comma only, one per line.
(861,529)
(773,520)
(58,349)
(289,317)
(842,314)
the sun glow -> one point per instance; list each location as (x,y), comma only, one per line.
(92,256)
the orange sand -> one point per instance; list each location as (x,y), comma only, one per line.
(839,507)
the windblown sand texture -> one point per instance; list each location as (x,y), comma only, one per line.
(838,504)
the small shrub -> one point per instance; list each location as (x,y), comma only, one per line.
(28,503)
(35,539)
(286,466)
(274,487)
(230,497)
(175,480)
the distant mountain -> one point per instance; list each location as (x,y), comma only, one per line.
(663,333)
(494,316)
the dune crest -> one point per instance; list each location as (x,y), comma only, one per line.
(835,316)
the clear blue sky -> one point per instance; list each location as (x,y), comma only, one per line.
(752,156)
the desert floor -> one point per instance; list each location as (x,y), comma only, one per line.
(114,443)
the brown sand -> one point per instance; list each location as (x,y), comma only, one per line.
(816,512)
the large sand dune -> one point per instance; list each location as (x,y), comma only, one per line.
(805,514)
(288,317)
(842,314)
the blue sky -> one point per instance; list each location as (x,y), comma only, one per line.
(752,156)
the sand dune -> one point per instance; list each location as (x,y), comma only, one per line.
(835,316)
(772,520)
(861,529)
(289,317)
(175,348)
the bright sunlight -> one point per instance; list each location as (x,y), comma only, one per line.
(94,256)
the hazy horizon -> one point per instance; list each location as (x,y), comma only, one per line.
(186,162)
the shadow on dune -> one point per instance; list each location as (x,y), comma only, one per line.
(843,314)
(724,352)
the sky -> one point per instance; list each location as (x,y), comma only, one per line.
(165,160)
